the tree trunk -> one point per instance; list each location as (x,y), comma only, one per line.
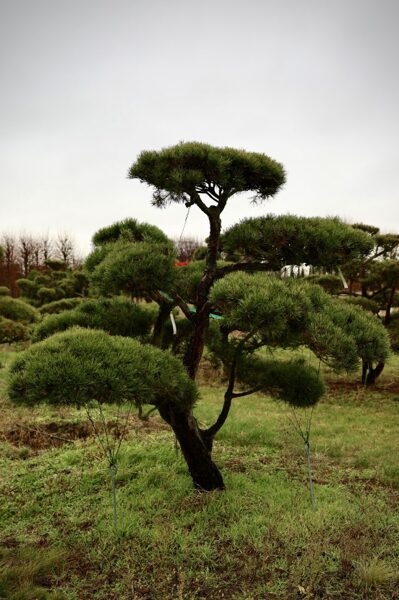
(196,448)
(196,344)
(387,318)
(204,472)
(162,317)
(370,374)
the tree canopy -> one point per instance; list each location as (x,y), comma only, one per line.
(116,316)
(291,240)
(292,313)
(81,365)
(183,172)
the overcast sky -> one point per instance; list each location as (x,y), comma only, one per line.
(87,84)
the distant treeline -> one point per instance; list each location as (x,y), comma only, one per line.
(20,254)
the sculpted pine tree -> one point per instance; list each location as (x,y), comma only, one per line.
(255,309)
(207,177)
(373,279)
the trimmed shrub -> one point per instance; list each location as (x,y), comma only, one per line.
(28,287)
(46,294)
(79,366)
(292,313)
(293,381)
(56,265)
(332,284)
(138,269)
(364,303)
(116,316)
(17,310)
(11,331)
(129,230)
(59,306)
(43,287)
(4,291)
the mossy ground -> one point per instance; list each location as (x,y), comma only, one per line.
(259,539)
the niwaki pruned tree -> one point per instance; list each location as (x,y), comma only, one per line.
(256,309)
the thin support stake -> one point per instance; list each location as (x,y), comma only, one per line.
(113,470)
(184,225)
(311,490)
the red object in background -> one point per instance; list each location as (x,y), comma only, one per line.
(182,263)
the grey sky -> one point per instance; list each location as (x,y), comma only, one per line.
(86,85)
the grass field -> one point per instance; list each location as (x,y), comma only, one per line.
(259,539)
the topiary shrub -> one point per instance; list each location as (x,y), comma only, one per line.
(28,287)
(4,291)
(17,310)
(11,331)
(56,281)
(129,230)
(293,381)
(332,284)
(46,295)
(59,306)
(138,269)
(117,316)
(78,366)
(56,265)
(364,303)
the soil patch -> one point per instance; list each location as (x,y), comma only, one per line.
(55,434)
(354,386)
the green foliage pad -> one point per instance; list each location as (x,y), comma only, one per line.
(78,366)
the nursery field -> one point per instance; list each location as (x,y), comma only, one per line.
(259,539)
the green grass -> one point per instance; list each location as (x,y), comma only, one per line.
(257,540)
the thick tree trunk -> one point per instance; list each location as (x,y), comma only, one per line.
(370,374)
(204,472)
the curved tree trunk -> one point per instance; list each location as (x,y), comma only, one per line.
(370,374)
(204,472)
(195,446)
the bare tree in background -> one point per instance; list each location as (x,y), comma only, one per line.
(186,247)
(8,244)
(64,248)
(46,246)
(9,267)
(26,250)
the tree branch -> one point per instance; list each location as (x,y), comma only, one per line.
(177,300)
(380,291)
(184,307)
(209,192)
(229,394)
(195,198)
(248,392)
